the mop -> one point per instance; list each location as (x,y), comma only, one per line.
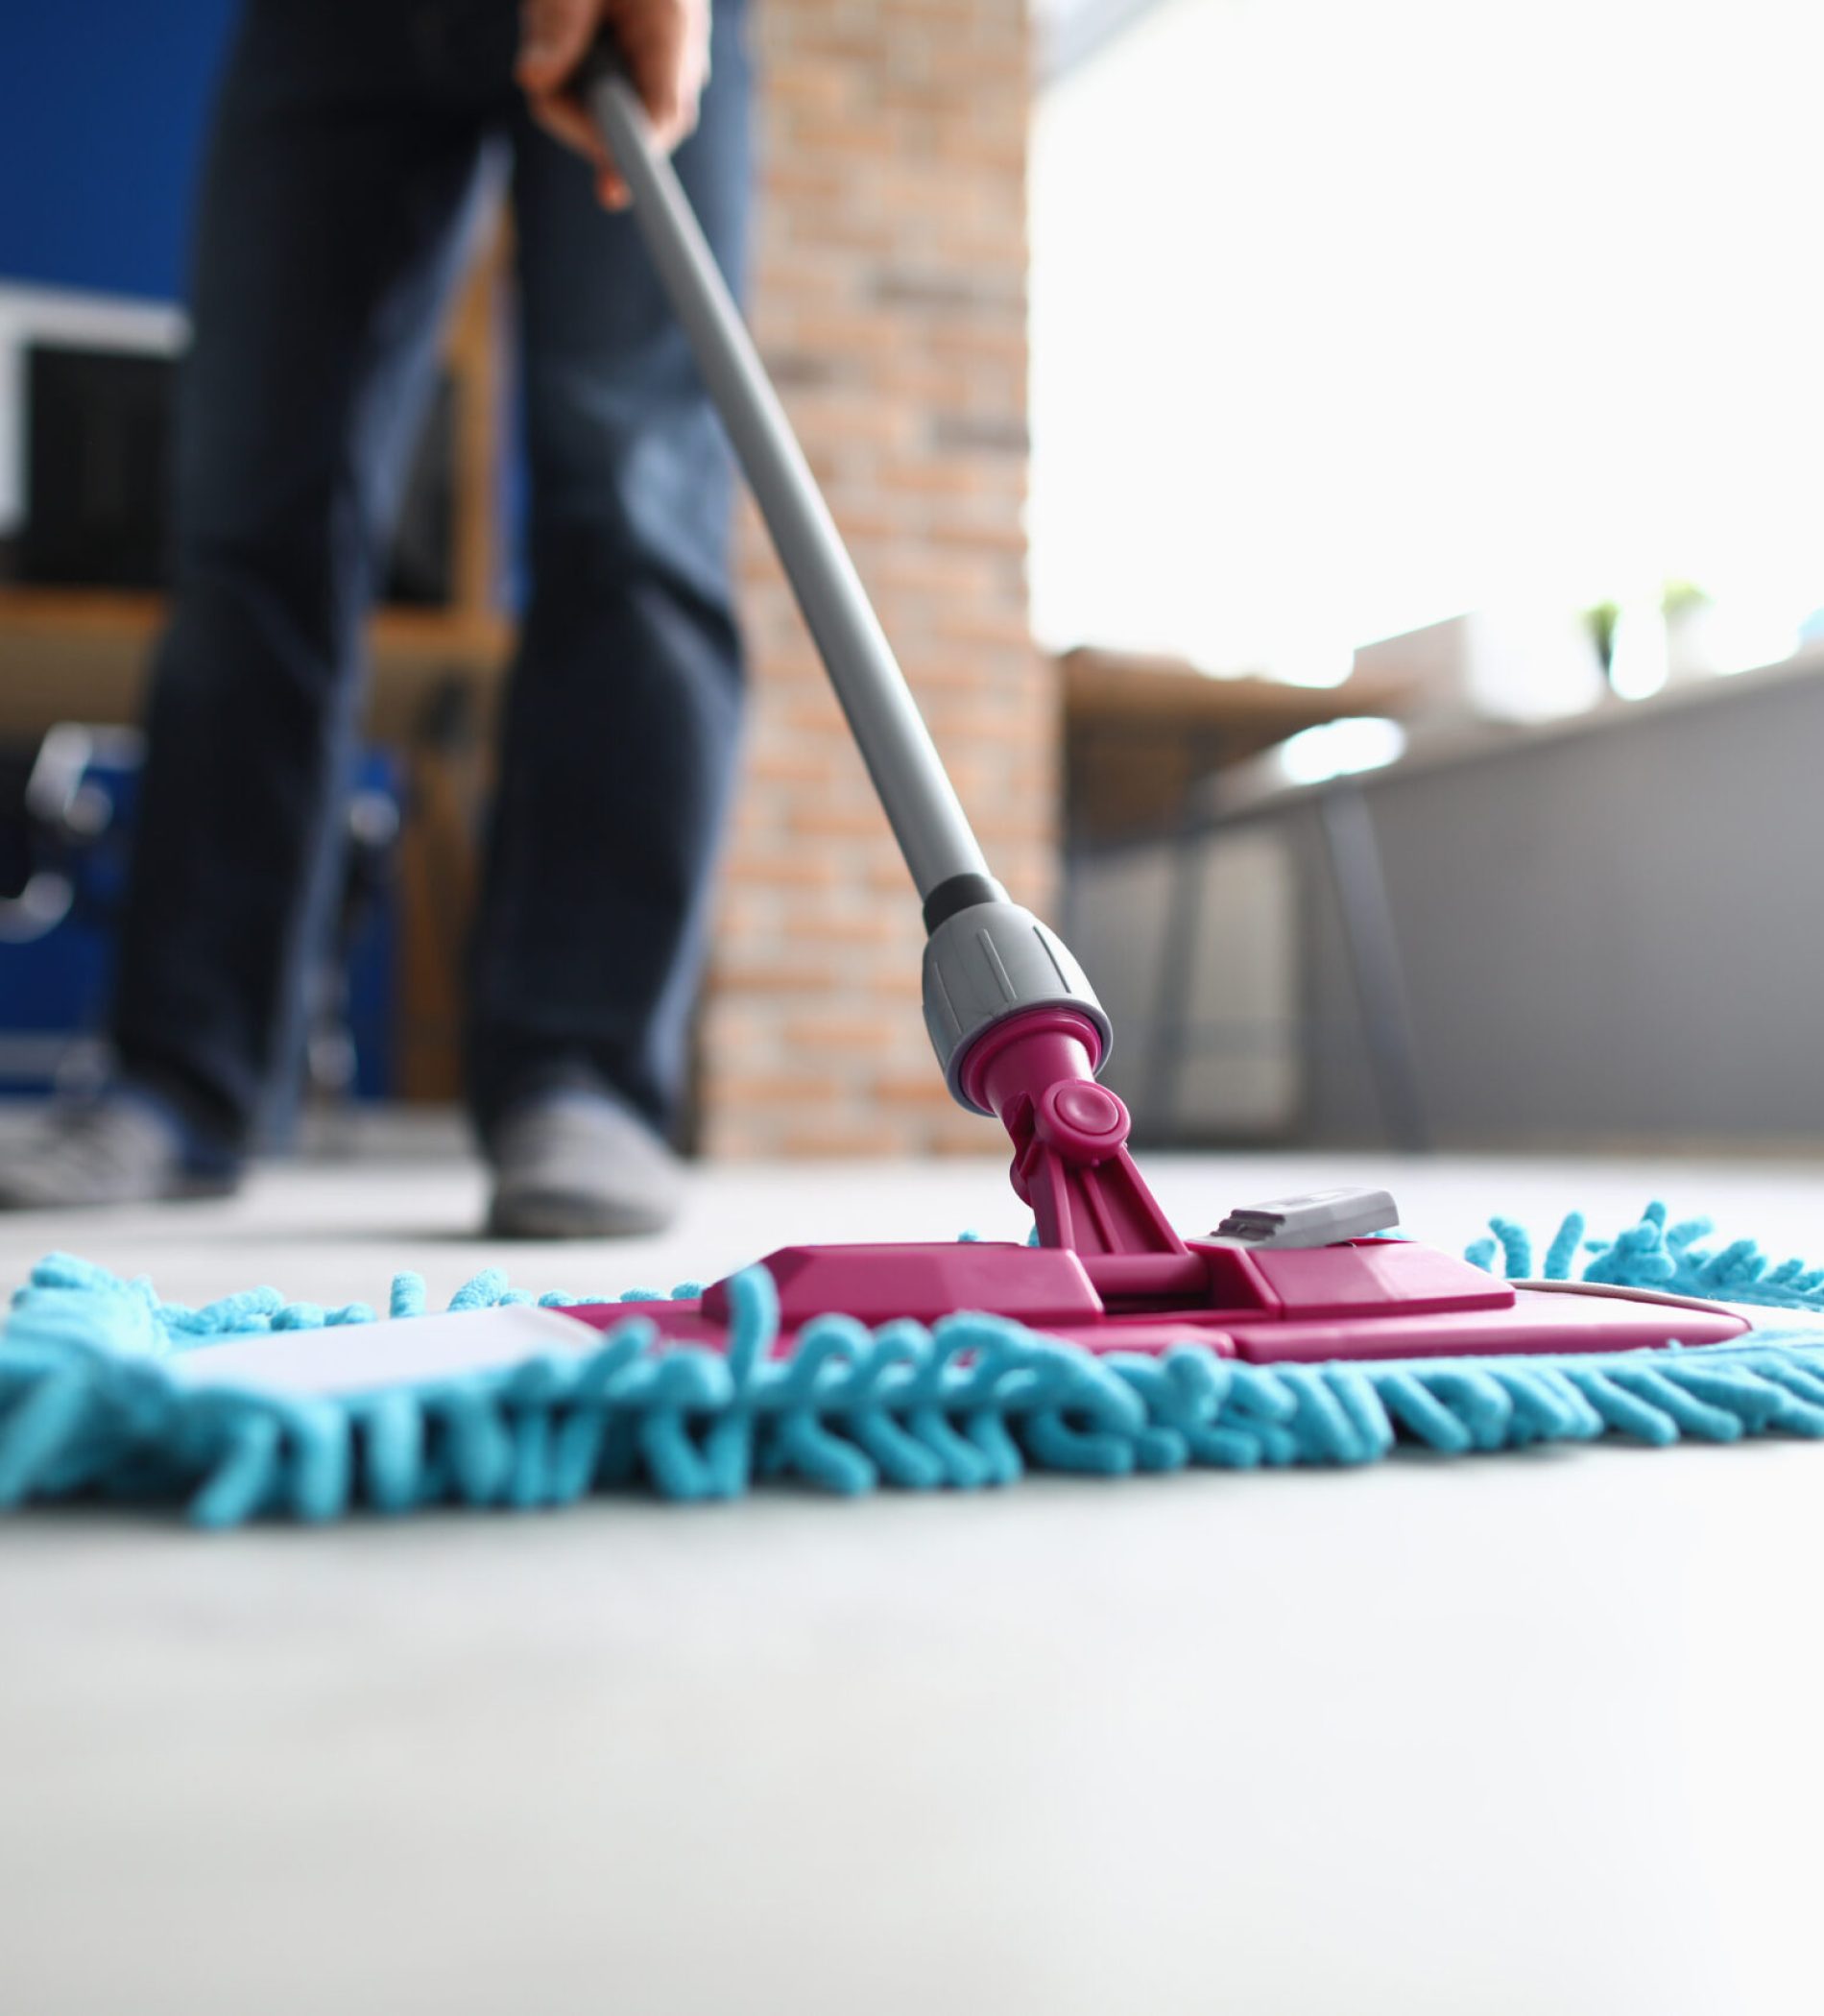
(1299,1330)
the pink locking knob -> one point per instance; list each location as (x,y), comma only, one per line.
(1081,1120)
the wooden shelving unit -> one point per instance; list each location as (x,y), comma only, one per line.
(85,653)
(81,654)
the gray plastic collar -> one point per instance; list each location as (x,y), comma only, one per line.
(991,961)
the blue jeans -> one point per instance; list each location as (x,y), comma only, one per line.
(354,142)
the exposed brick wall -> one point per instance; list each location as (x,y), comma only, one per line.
(889,295)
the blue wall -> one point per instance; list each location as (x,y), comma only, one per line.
(103,106)
(102,109)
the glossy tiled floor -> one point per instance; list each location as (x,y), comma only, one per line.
(1521,1734)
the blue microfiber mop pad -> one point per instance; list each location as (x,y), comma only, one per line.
(90,1405)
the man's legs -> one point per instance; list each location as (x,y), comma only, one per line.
(339,175)
(624,710)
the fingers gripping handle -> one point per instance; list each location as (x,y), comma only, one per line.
(919,802)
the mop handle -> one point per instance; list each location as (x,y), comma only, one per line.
(921,803)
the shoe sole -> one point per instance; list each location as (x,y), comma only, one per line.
(186,1190)
(564,1215)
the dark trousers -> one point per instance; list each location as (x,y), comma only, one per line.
(353,144)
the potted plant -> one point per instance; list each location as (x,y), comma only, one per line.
(1691,645)
(1602,621)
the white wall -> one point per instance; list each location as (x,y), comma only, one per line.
(1346,317)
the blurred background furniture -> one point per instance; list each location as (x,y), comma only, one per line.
(68,802)
(1600,935)
(83,539)
(1142,733)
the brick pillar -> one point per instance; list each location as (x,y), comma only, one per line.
(889,300)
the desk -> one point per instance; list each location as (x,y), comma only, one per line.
(1140,733)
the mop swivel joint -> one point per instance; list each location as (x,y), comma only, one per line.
(987,964)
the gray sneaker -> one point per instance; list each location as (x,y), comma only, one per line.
(117,1149)
(576,1165)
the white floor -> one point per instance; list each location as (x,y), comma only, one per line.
(1525,1734)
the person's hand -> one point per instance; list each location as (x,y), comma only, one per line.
(664,44)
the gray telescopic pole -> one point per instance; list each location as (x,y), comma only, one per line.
(921,803)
